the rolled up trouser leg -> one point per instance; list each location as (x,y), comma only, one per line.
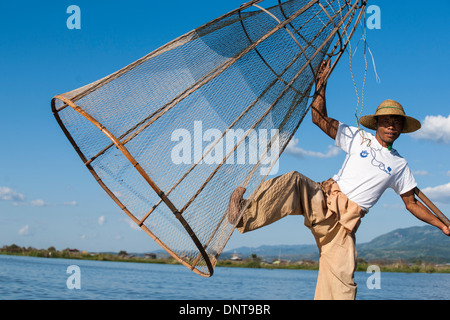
(289,194)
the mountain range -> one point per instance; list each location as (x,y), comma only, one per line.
(427,244)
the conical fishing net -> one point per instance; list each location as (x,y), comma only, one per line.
(170,136)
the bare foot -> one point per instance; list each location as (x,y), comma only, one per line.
(234,206)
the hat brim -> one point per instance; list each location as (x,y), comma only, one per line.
(410,125)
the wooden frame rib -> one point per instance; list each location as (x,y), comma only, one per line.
(142,172)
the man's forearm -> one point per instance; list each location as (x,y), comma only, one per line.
(320,115)
(319,106)
(422,213)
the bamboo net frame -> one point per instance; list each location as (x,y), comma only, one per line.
(120,125)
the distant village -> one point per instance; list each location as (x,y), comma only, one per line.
(273,261)
(251,261)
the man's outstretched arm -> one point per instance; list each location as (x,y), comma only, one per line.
(422,213)
(319,108)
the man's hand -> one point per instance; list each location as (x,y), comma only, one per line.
(446,230)
(323,71)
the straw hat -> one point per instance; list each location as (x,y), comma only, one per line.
(391,107)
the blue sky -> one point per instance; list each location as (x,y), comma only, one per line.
(48,198)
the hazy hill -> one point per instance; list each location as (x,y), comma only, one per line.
(416,243)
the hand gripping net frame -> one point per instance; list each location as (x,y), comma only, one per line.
(250,71)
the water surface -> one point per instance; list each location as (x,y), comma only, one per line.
(28,278)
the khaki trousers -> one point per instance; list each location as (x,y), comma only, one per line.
(328,213)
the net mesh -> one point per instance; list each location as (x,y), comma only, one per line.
(171,136)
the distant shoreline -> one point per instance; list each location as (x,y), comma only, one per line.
(254,262)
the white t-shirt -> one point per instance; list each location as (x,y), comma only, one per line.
(369,168)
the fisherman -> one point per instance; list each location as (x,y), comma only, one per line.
(333,209)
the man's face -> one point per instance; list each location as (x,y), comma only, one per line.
(389,129)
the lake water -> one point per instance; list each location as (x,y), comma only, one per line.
(27,278)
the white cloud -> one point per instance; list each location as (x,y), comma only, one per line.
(24,231)
(132,224)
(33,203)
(70,204)
(293,149)
(19,199)
(434,128)
(101,220)
(8,194)
(439,193)
(38,203)
(420,173)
